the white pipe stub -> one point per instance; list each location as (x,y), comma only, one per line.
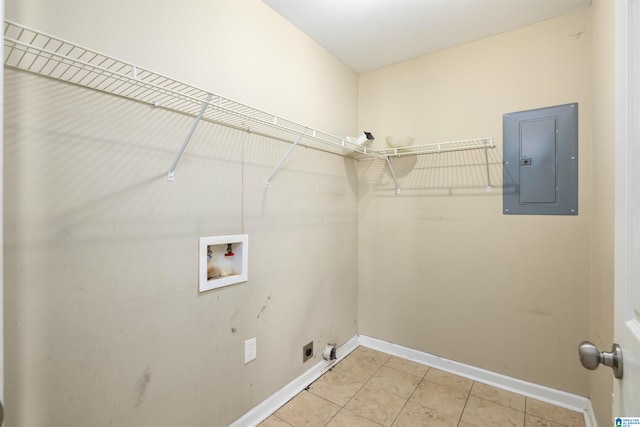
(329,352)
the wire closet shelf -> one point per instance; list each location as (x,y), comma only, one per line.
(33,51)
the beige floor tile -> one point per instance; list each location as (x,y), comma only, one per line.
(554,413)
(370,389)
(307,410)
(376,405)
(532,421)
(482,413)
(440,397)
(370,355)
(359,370)
(349,419)
(395,382)
(450,380)
(273,421)
(336,388)
(415,415)
(407,366)
(496,395)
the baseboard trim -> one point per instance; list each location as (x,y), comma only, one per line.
(536,391)
(271,404)
(590,416)
(556,397)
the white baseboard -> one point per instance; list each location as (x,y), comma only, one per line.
(556,397)
(271,404)
(536,391)
(590,417)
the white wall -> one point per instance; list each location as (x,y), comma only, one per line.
(442,270)
(105,325)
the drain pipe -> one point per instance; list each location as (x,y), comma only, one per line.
(329,352)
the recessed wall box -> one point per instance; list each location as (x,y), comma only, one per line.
(540,174)
(223,261)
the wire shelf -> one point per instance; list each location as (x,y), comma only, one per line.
(441,147)
(33,51)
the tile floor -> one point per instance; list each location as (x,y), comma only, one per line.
(370,388)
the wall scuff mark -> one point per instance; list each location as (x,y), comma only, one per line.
(264,307)
(141,386)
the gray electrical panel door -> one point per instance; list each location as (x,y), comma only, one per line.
(541,161)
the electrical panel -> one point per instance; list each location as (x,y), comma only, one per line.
(540,174)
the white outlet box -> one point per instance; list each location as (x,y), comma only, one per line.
(249,350)
(223,261)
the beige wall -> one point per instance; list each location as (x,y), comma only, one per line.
(602,252)
(240,49)
(441,269)
(104,324)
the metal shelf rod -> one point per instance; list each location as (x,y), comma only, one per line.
(268,181)
(393,175)
(205,104)
(486,159)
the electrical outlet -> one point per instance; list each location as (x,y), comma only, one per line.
(307,352)
(250,350)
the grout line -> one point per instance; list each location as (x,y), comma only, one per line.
(498,403)
(336,414)
(384,364)
(412,393)
(545,394)
(367,382)
(275,416)
(465,402)
(357,391)
(422,379)
(544,416)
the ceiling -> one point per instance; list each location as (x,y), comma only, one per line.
(370,34)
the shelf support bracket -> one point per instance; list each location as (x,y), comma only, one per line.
(268,181)
(393,175)
(205,104)
(486,159)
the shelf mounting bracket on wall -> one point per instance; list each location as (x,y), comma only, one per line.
(268,181)
(205,104)
(393,175)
